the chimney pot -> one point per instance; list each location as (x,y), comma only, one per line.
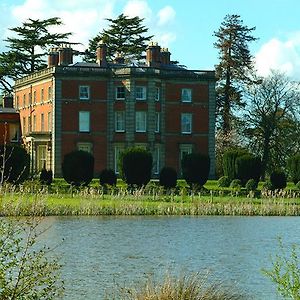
(101,54)
(65,56)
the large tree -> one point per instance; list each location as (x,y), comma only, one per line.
(234,68)
(125,36)
(27,49)
(272,120)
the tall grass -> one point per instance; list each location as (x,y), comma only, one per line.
(184,287)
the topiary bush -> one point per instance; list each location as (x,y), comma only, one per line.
(247,166)
(278,180)
(195,168)
(107,177)
(229,159)
(223,181)
(16,166)
(251,185)
(293,165)
(78,167)
(168,177)
(135,166)
(236,184)
(46,177)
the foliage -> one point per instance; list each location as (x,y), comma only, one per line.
(293,164)
(78,167)
(236,184)
(285,272)
(188,286)
(46,176)
(278,180)
(298,185)
(267,185)
(168,177)
(125,37)
(195,168)
(107,176)
(224,181)
(135,166)
(234,67)
(271,120)
(251,185)
(27,49)
(26,269)
(229,159)
(247,167)
(14,164)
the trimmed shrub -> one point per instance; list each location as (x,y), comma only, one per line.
(16,164)
(107,177)
(236,184)
(135,166)
(267,185)
(78,167)
(46,176)
(278,180)
(247,166)
(168,177)
(293,165)
(251,185)
(229,159)
(224,181)
(195,168)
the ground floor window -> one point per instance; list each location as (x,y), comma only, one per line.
(87,147)
(41,157)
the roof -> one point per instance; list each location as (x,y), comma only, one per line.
(8,110)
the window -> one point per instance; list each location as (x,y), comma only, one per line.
(42,95)
(42,122)
(157,122)
(29,99)
(29,124)
(84,121)
(140,121)
(84,92)
(186,123)
(140,93)
(34,97)
(17,102)
(184,149)
(49,93)
(186,95)
(87,147)
(49,122)
(24,125)
(120,92)
(41,157)
(34,123)
(156,160)
(118,151)
(119,121)
(157,94)
(24,100)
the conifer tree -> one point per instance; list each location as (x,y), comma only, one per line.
(234,68)
(125,36)
(27,49)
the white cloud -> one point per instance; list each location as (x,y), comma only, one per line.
(138,8)
(166,15)
(280,55)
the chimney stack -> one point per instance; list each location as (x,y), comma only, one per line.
(165,56)
(153,57)
(53,58)
(8,101)
(101,54)
(65,55)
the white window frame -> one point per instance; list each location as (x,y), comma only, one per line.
(140,92)
(120,121)
(49,93)
(119,93)
(186,95)
(156,160)
(84,121)
(184,149)
(140,121)
(34,97)
(186,123)
(157,94)
(157,122)
(117,151)
(84,92)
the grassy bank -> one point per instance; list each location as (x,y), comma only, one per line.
(121,202)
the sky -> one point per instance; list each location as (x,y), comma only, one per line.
(185,27)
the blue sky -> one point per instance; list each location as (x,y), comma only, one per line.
(185,27)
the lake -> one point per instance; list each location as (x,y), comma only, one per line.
(99,253)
